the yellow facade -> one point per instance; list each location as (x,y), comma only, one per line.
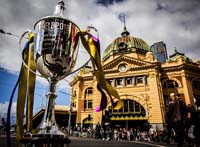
(143,83)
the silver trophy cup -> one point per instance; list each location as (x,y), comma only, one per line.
(56,45)
(56,52)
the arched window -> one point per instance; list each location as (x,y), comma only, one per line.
(73,100)
(88,99)
(169,86)
(87,122)
(129,107)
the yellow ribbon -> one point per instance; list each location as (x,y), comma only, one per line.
(89,45)
(26,89)
(27,80)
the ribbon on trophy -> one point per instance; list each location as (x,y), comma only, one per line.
(26,88)
(27,80)
(92,45)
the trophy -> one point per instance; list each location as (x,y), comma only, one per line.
(56,52)
(56,55)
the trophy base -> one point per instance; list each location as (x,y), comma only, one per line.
(54,130)
(45,140)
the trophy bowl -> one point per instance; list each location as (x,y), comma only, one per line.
(56,46)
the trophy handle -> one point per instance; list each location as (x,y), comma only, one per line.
(86,63)
(89,28)
(27,32)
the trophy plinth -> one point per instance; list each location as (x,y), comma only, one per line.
(45,140)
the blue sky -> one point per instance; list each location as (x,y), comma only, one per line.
(8,78)
(7,82)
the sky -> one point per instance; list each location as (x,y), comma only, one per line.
(174,22)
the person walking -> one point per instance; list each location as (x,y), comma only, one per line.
(174,119)
(197,123)
(191,124)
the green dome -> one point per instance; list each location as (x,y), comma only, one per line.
(126,44)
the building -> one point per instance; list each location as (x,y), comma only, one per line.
(62,113)
(143,83)
(160,51)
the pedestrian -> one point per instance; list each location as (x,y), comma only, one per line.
(174,119)
(152,133)
(191,124)
(197,123)
(169,123)
(184,118)
(97,131)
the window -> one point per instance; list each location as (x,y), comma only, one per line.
(137,107)
(131,106)
(126,105)
(89,104)
(73,99)
(119,82)
(170,84)
(89,91)
(111,82)
(139,80)
(88,98)
(129,81)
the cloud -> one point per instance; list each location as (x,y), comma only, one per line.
(174,22)
(4,109)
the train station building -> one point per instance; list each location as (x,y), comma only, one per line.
(142,81)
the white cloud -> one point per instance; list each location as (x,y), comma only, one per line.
(174,22)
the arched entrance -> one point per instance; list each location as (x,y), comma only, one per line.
(169,86)
(87,122)
(131,115)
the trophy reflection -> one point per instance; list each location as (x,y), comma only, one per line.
(56,55)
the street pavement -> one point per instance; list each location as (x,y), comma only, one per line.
(90,142)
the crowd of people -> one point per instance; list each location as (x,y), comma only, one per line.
(182,127)
(120,134)
(184,120)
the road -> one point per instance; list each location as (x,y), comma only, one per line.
(81,142)
(85,142)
